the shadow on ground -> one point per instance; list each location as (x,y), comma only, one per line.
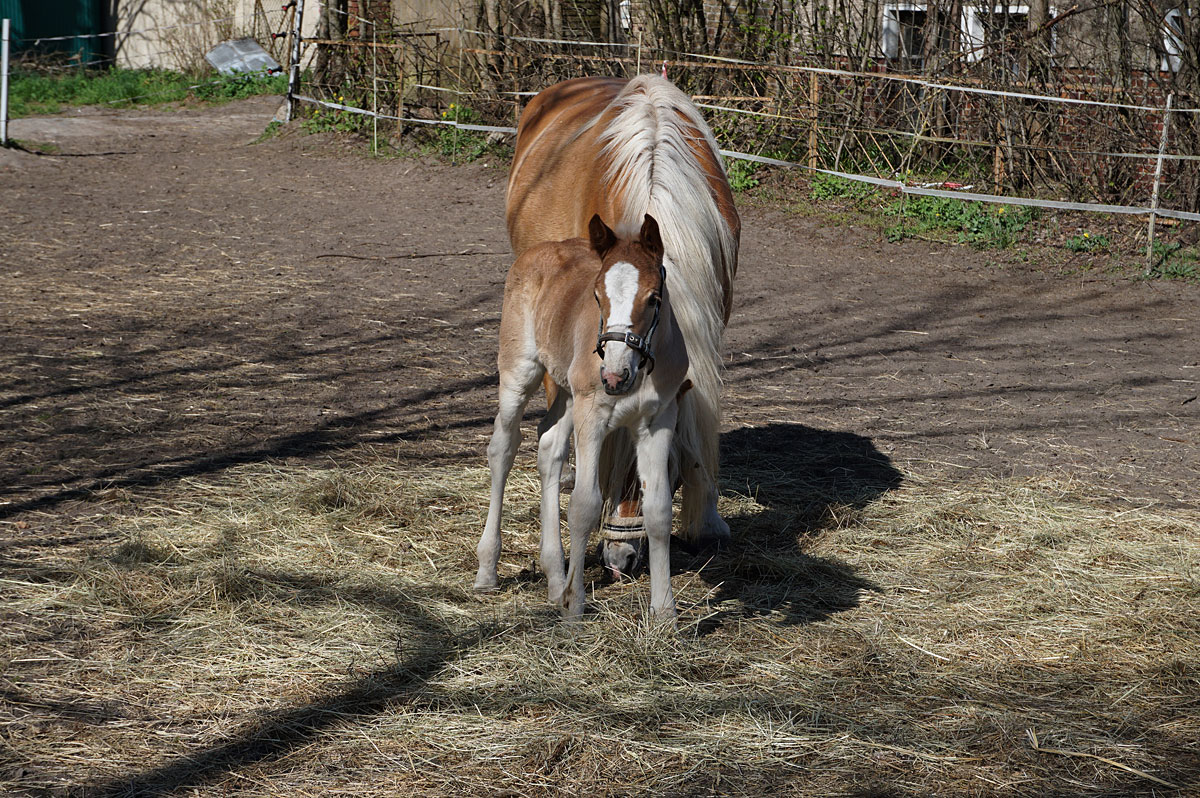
(804,478)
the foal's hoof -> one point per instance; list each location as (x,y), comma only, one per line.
(486,584)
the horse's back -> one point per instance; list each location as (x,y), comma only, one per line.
(555,184)
(561,163)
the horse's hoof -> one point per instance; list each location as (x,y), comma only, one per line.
(486,584)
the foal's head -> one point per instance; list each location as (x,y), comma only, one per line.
(630,289)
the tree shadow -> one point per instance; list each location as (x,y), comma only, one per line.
(804,478)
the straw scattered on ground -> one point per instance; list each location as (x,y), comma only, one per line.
(288,630)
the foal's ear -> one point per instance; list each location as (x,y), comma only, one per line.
(602,237)
(651,238)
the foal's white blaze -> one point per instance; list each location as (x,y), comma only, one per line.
(621,285)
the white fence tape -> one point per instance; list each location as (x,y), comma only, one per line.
(414,120)
(1092,207)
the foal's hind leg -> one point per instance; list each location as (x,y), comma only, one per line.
(554,445)
(516,387)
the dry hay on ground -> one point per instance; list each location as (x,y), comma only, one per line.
(310,631)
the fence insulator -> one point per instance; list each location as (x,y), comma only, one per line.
(278,35)
(289,5)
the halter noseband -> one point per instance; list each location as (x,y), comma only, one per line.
(638,343)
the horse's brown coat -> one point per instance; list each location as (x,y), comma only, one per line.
(562,175)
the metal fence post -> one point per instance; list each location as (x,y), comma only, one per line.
(294,60)
(4,28)
(1158,169)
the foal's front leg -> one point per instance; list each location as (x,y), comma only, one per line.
(516,387)
(653,456)
(554,448)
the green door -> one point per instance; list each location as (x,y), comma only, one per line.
(64,27)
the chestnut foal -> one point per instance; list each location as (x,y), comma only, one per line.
(594,316)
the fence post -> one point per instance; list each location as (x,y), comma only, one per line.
(814,98)
(998,160)
(1158,168)
(4,28)
(294,60)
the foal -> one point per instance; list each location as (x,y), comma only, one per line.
(595,317)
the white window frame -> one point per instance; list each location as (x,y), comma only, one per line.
(974,41)
(1172,44)
(890,39)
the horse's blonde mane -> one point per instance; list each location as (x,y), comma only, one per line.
(648,145)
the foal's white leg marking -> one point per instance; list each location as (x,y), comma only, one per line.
(515,391)
(653,465)
(583,512)
(554,445)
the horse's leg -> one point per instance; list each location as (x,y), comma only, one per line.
(653,461)
(516,387)
(701,523)
(583,513)
(567,478)
(698,501)
(554,445)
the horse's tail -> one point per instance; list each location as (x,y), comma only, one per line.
(651,146)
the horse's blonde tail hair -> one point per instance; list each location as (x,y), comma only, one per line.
(652,167)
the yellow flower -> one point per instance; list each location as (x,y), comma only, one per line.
(1000,210)
(1087,235)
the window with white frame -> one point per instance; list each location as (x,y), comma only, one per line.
(1172,41)
(984,26)
(904,33)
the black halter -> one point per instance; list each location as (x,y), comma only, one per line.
(638,343)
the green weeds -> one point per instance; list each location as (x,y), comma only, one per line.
(741,174)
(1086,242)
(1174,261)
(456,144)
(31,94)
(975,223)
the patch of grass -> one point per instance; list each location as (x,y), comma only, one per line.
(978,224)
(1173,261)
(270,131)
(828,187)
(333,120)
(740,174)
(289,626)
(1086,242)
(42,147)
(455,144)
(33,93)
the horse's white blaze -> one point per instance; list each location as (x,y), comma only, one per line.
(621,285)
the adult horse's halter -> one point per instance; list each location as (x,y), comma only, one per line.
(638,343)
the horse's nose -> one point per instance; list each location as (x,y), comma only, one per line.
(613,380)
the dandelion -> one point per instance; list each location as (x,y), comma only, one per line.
(1087,235)
(1000,210)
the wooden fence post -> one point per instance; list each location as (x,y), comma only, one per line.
(814,99)
(294,60)
(1158,169)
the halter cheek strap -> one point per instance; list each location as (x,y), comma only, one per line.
(638,343)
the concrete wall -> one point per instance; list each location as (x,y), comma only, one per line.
(176,34)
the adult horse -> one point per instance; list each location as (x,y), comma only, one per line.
(624,149)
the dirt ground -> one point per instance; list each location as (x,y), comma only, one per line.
(179,299)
